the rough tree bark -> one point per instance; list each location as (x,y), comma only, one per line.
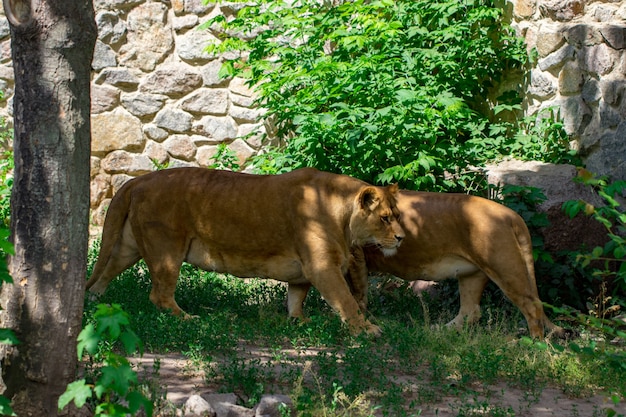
(52,44)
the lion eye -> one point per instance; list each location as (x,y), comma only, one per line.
(385,219)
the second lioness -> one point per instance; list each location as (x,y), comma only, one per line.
(297,227)
(465,237)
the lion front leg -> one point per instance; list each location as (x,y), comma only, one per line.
(357,277)
(331,284)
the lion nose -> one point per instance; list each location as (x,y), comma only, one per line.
(399,238)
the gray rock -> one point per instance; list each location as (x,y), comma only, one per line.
(174,120)
(210,74)
(609,117)
(143,104)
(198,406)
(562,10)
(191,46)
(173,80)
(115,4)
(591,91)
(244,114)
(613,89)
(598,59)
(188,21)
(180,147)
(122,162)
(603,14)
(150,36)
(240,86)
(242,101)
(242,150)
(271,405)
(155,133)
(156,152)
(556,181)
(199,7)
(205,155)
(103,56)
(217,128)
(557,58)
(542,84)
(615,36)
(576,115)
(570,79)
(583,35)
(115,130)
(99,189)
(603,160)
(104,98)
(5,30)
(120,77)
(118,180)
(549,39)
(111,29)
(207,101)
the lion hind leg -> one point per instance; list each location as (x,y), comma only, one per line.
(522,292)
(471,289)
(116,264)
(296,294)
(123,255)
(162,293)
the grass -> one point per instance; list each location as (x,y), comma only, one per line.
(246,344)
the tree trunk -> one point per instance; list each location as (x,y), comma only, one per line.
(52,45)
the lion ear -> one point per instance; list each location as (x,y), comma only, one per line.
(393,188)
(368,198)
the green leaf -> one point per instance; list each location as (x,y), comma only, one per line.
(7,337)
(117,378)
(111,318)
(136,400)
(5,407)
(78,391)
(131,341)
(88,341)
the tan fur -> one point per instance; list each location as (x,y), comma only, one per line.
(297,227)
(459,236)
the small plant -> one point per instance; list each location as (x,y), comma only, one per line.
(225,158)
(6,185)
(608,263)
(537,137)
(114,385)
(7,337)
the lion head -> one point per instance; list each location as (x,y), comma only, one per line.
(375,220)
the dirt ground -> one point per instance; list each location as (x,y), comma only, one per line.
(180,378)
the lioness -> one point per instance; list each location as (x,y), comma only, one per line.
(465,237)
(297,227)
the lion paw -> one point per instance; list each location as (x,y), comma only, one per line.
(186,316)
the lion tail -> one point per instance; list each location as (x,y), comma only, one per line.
(116,216)
(525,242)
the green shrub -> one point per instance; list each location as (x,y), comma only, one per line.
(386,91)
(111,384)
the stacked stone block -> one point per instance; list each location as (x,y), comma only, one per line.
(581,70)
(157,98)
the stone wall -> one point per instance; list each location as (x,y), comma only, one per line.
(157,96)
(581,69)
